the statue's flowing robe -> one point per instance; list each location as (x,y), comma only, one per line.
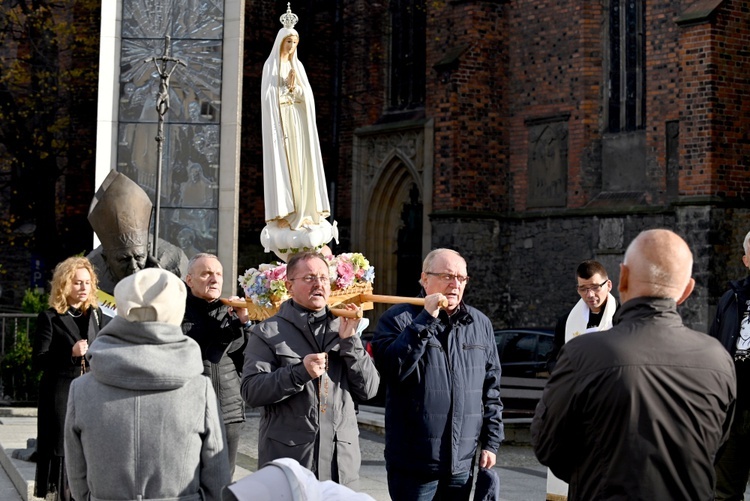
(293,176)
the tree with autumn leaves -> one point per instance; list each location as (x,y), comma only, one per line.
(48,85)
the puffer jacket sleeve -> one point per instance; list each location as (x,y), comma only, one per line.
(214,467)
(555,430)
(360,370)
(75,461)
(400,341)
(492,424)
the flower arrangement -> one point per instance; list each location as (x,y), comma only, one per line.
(348,269)
(266,287)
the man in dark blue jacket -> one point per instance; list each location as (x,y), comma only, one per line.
(443,387)
(732,328)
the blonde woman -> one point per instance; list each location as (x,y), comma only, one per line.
(63,335)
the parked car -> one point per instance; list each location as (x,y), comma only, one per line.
(523,357)
(524,352)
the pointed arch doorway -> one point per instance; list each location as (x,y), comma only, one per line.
(391,202)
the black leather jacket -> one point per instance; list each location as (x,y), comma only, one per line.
(639,411)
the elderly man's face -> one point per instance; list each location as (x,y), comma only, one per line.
(309,284)
(205,278)
(447,276)
(126,261)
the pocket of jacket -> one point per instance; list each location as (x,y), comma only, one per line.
(290,436)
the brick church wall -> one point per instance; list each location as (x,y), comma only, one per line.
(468,104)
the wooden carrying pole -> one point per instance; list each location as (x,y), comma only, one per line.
(339,312)
(357,299)
(378,298)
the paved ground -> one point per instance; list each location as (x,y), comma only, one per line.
(522,477)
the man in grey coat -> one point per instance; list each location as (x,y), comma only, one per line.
(144,423)
(304,367)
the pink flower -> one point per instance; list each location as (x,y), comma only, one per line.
(345,270)
(278,273)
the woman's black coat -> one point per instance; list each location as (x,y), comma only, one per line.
(53,343)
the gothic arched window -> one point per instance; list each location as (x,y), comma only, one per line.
(627,66)
(407,68)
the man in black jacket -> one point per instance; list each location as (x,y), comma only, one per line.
(732,329)
(639,411)
(222,332)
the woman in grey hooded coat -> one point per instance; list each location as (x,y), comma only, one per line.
(144,423)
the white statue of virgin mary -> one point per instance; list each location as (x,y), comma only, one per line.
(296,198)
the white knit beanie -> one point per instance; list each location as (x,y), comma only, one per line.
(151,295)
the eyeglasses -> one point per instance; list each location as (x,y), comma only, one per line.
(308,279)
(583,289)
(448,278)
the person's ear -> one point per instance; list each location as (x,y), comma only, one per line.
(688,290)
(746,260)
(622,285)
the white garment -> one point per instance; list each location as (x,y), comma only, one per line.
(293,176)
(578,318)
(284,479)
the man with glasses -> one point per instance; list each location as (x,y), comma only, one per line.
(592,313)
(443,387)
(303,367)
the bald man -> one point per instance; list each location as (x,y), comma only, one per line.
(639,411)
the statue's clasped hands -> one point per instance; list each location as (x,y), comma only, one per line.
(291,80)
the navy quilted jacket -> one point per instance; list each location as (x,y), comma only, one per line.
(440,405)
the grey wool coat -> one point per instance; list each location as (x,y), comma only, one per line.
(292,423)
(144,423)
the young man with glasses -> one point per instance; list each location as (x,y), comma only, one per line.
(303,367)
(443,395)
(592,313)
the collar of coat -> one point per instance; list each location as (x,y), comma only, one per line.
(646,307)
